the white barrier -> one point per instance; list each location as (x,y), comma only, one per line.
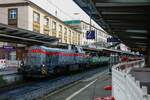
(2,63)
(9,63)
(125,87)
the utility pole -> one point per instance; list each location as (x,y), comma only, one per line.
(90,20)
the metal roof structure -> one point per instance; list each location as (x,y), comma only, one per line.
(22,36)
(128,20)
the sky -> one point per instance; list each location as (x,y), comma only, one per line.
(68,10)
(64,10)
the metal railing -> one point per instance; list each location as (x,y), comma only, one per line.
(125,87)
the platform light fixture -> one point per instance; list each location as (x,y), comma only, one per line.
(137,31)
(140,43)
(138,37)
(143,46)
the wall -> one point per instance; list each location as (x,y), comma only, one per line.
(22,16)
(51,19)
(25,20)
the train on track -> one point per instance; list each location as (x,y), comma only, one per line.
(43,61)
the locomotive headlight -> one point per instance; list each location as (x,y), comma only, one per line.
(43,65)
(21,64)
(43,70)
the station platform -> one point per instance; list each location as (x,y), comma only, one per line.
(86,89)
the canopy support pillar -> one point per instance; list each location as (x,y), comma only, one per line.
(148,51)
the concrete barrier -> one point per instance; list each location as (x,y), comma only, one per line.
(125,87)
(9,63)
(2,63)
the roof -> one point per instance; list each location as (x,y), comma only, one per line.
(125,19)
(110,50)
(18,35)
(70,22)
(42,5)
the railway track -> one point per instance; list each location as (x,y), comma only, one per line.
(38,89)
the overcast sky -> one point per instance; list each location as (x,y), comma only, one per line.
(68,9)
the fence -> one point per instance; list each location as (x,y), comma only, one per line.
(2,63)
(125,87)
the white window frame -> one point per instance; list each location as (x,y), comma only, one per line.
(12,13)
(46,21)
(36,17)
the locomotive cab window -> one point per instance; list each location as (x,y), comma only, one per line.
(75,49)
(35,58)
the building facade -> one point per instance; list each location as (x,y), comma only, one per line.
(28,15)
(100,35)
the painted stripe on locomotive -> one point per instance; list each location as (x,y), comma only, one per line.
(57,53)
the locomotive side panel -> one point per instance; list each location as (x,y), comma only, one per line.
(43,61)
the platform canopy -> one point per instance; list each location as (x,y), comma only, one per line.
(128,20)
(21,36)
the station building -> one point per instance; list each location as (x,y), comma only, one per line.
(80,25)
(27,15)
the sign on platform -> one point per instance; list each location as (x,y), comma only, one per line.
(90,34)
(113,39)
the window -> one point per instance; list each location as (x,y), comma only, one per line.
(60,28)
(46,25)
(36,22)
(54,25)
(65,35)
(83,26)
(69,32)
(86,27)
(46,21)
(65,32)
(69,36)
(12,13)
(36,17)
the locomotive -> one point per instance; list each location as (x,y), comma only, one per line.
(43,61)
